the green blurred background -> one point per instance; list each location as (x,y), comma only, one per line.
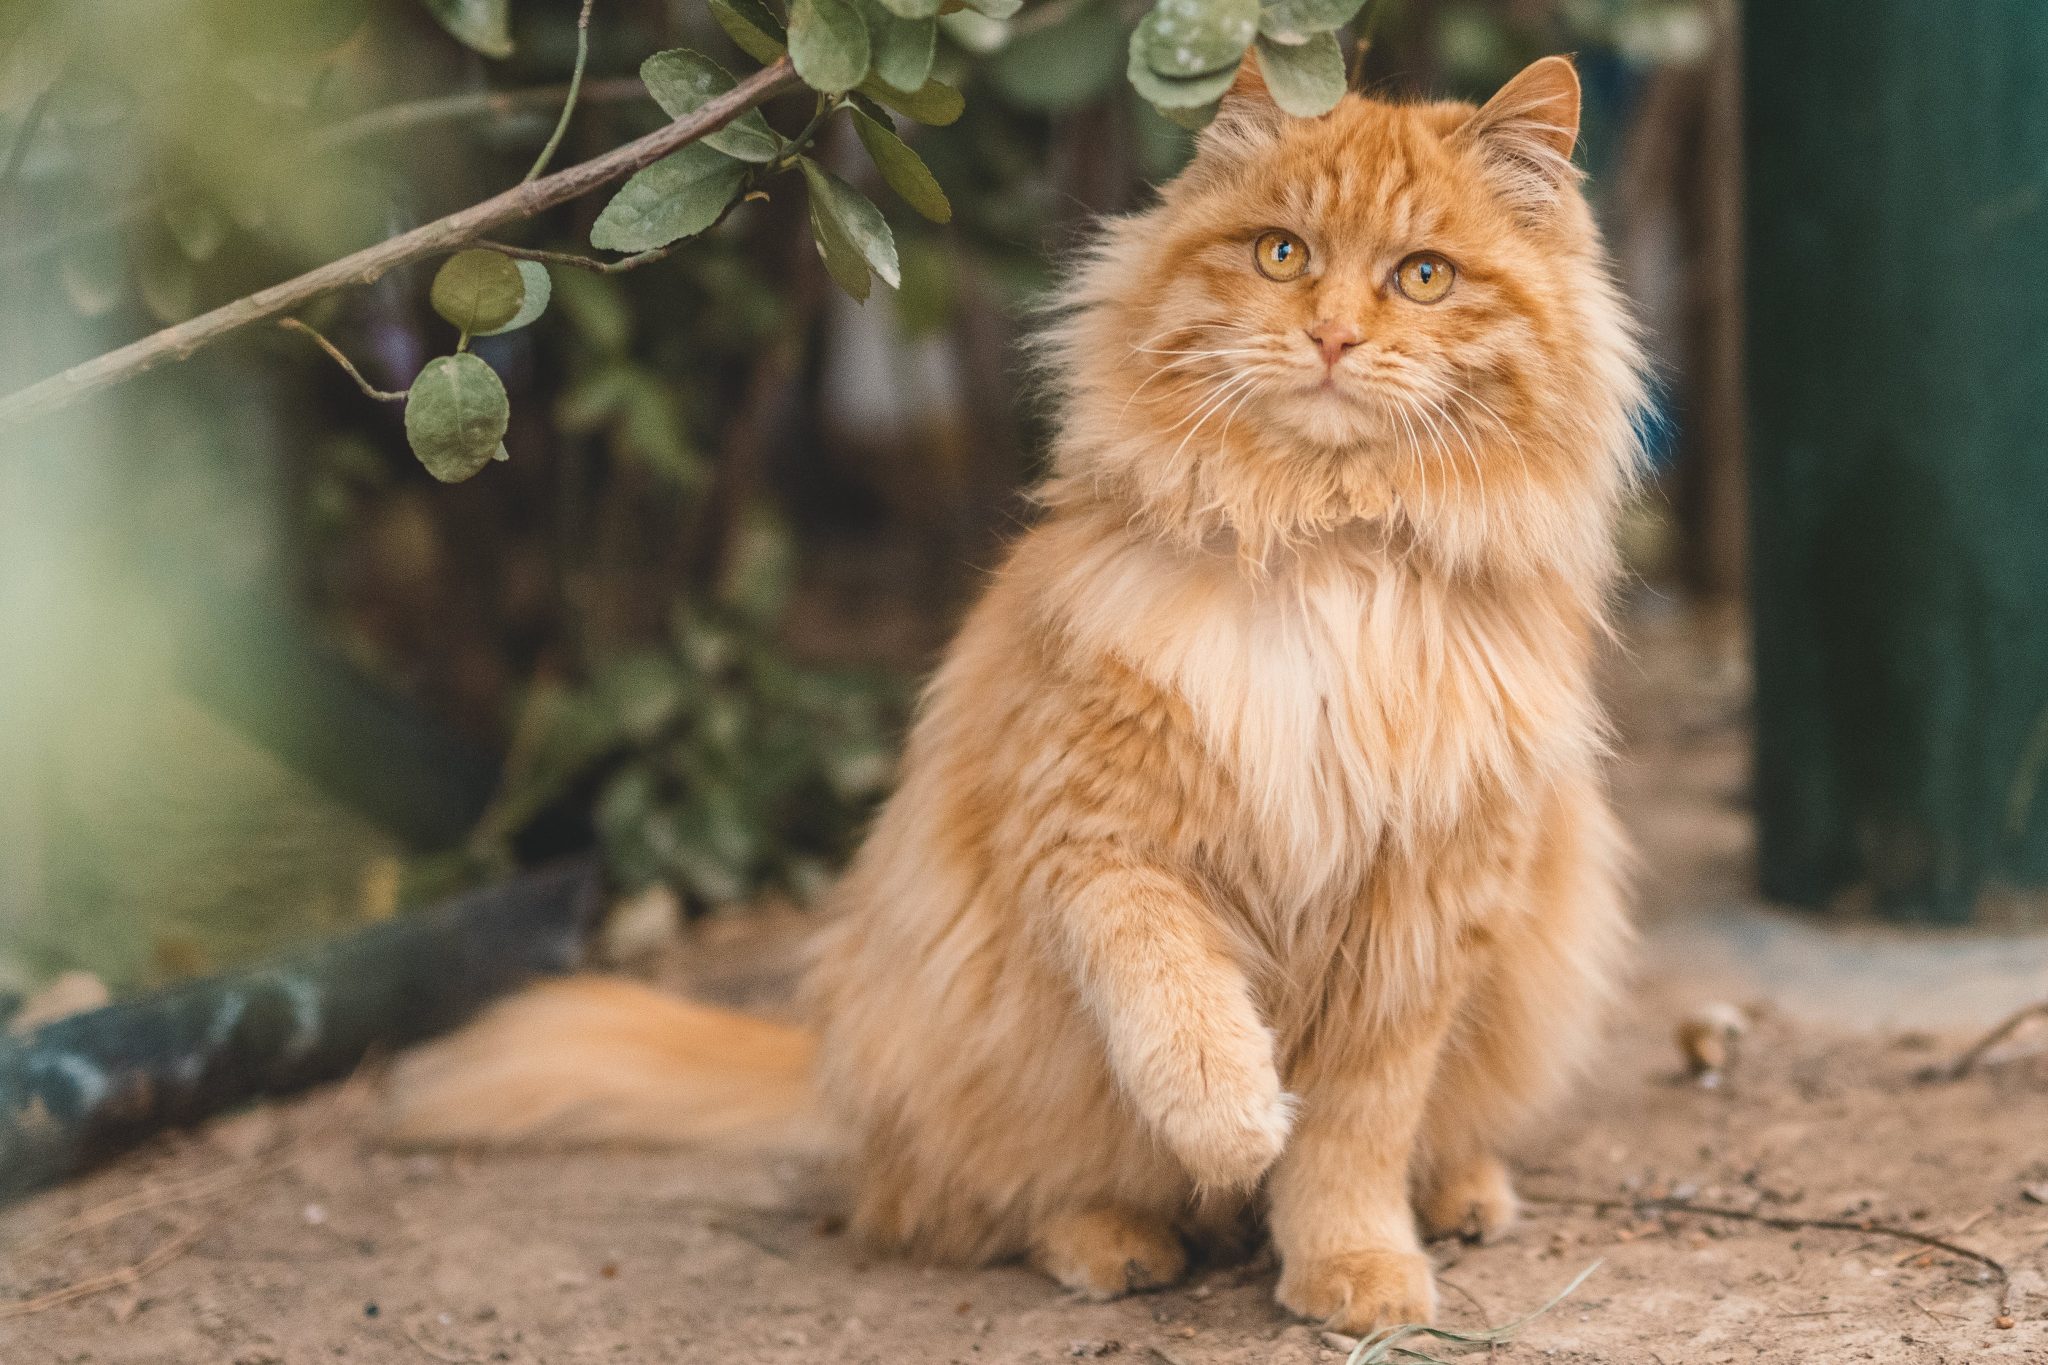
(262,678)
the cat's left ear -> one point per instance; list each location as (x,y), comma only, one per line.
(1526,133)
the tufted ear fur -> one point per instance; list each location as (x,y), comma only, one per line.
(1526,132)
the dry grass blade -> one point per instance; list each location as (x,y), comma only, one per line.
(1384,1347)
(100,1284)
(1974,1055)
(1789,1223)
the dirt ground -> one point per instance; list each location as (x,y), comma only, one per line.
(279,1236)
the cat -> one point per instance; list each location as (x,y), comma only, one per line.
(1251,855)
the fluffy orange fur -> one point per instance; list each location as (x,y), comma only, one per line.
(1251,855)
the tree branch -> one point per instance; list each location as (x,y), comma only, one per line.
(547,153)
(371,264)
(392,118)
(334,352)
(397,118)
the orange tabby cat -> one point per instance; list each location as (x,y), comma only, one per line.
(1252,853)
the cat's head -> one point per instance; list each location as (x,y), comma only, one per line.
(1397,317)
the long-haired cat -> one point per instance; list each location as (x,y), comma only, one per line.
(1251,854)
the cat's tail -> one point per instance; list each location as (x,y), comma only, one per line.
(601,1061)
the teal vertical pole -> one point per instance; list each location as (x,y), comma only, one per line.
(1898,379)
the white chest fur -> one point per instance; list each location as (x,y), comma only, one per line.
(1352,700)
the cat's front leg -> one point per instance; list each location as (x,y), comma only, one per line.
(1183,1036)
(1341,1216)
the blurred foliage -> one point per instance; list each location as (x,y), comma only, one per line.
(712,761)
(580,607)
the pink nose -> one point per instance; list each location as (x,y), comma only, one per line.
(1334,338)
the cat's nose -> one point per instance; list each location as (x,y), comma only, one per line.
(1334,338)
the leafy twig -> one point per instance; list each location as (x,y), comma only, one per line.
(1791,1223)
(371,264)
(392,118)
(547,153)
(369,390)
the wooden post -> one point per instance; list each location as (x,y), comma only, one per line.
(1898,372)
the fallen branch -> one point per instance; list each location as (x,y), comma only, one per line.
(1974,1055)
(1791,1223)
(86,1086)
(369,265)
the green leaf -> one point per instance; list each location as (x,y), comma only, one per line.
(1294,22)
(995,9)
(842,258)
(1062,65)
(903,169)
(479,24)
(976,34)
(540,287)
(681,81)
(857,217)
(93,272)
(902,48)
(597,308)
(677,197)
(455,416)
(478,291)
(912,9)
(165,279)
(1164,92)
(829,45)
(1193,119)
(934,104)
(282,26)
(1306,79)
(196,224)
(1182,38)
(751,27)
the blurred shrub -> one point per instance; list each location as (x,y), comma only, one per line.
(161,159)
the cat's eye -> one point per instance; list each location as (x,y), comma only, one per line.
(1425,277)
(1280,255)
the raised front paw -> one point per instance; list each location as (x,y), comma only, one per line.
(1227,1135)
(1360,1292)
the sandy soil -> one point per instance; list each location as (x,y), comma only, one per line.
(278,1236)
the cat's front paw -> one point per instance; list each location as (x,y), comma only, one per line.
(1360,1292)
(1226,1136)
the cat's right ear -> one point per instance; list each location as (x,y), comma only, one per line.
(1526,132)
(1247,118)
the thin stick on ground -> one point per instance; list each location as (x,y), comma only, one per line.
(1973,1056)
(120,1278)
(369,265)
(1791,1223)
(163,1196)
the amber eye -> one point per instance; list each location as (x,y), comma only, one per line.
(1280,255)
(1425,277)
